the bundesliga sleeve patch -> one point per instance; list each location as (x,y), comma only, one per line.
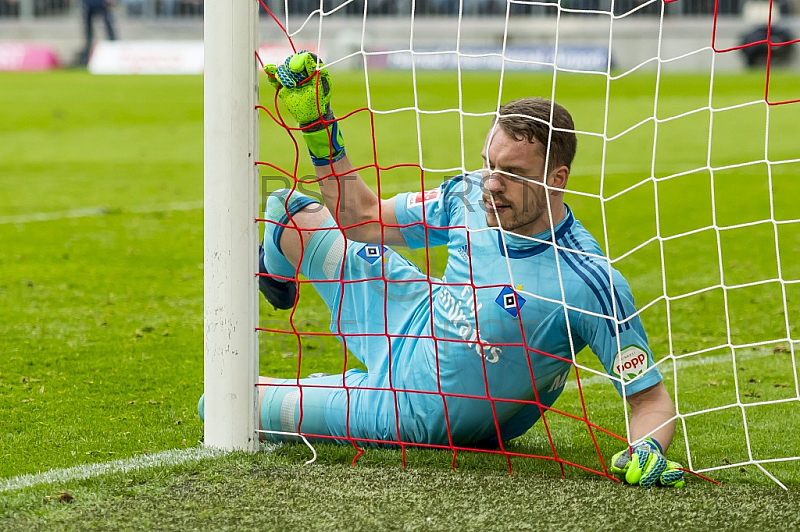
(371,252)
(412,200)
(630,363)
(508,300)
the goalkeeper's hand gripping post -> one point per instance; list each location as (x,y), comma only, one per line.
(643,464)
(305,87)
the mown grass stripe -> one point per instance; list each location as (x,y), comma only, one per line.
(87,212)
(683,362)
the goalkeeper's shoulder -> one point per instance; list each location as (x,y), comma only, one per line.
(465,187)
(459,187)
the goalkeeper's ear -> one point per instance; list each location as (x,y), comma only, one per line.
(557,178)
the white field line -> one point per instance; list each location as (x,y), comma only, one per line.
(687,362)
(86,212)
(82,472)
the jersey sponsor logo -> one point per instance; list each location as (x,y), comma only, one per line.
(371,252)
(412,200)
(462,252)
(630,363)
(461,313)
(508,300)
(559,382)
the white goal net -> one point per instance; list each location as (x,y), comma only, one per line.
(686,174)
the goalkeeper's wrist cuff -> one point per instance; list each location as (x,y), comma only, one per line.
(325,161)
(652,442)
(326,145)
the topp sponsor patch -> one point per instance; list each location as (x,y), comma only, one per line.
(630,363)
(412,200)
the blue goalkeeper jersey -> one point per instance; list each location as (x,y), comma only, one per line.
(509,315)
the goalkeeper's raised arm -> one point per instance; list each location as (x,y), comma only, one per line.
(306,87)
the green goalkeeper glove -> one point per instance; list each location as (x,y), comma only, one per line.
(306,92)
(643,463)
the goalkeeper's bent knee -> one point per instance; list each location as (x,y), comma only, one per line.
(281,206)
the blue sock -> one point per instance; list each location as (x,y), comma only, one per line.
(274,259)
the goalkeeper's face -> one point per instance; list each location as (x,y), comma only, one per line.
(513,194)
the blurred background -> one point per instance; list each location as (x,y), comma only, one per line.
(150,9)
(61,25)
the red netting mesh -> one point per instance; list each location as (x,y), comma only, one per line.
(769,43)
(271,111)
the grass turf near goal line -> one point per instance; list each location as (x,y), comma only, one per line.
(272,490)
(101,329)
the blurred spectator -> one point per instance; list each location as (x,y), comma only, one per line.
(9,8)
(756,55)
(184,8)
(766,38)
(166,8)
(91,9)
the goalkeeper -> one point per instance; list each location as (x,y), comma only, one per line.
(472,359)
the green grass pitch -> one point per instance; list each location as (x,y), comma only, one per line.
(101,299)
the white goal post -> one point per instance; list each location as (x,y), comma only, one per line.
(230,231)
